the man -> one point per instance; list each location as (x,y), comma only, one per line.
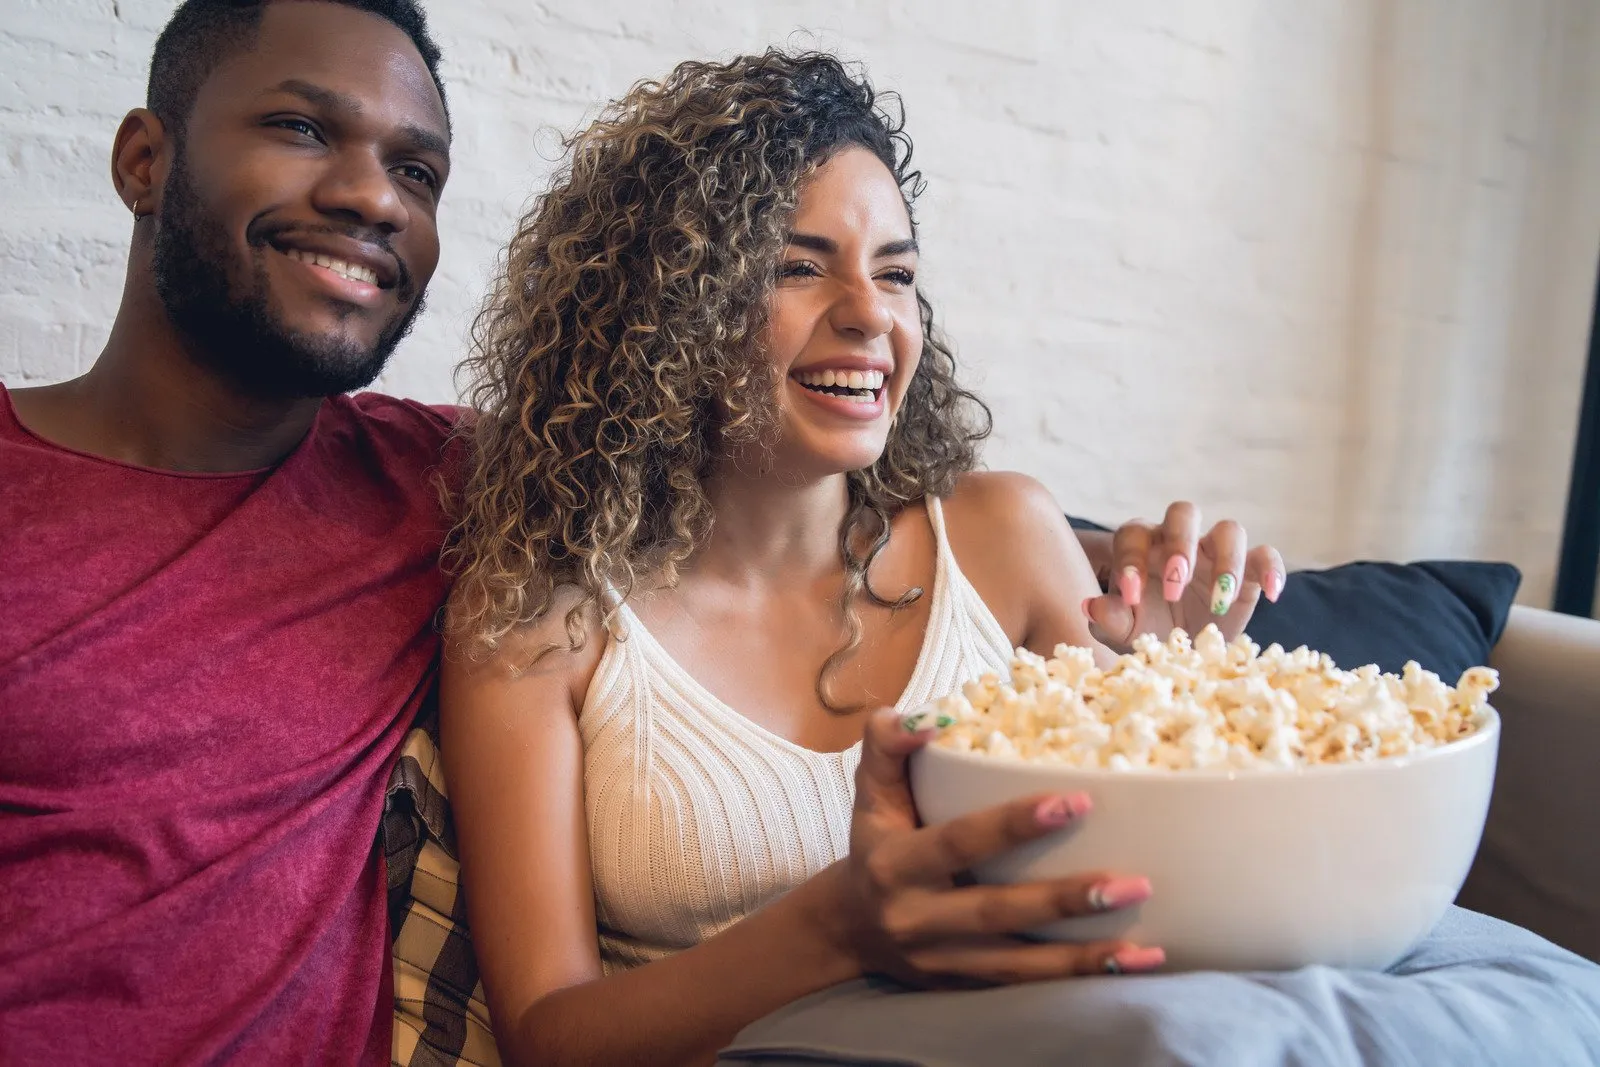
(220,574)
(220,571)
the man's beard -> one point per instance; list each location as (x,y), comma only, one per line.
(232,329)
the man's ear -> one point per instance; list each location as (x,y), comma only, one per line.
(140,158)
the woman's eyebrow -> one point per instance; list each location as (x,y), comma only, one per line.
(813,242)
(829,247)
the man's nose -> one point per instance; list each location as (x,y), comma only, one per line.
(357,187)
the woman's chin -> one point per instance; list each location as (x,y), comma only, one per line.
(822,456)
(846,460)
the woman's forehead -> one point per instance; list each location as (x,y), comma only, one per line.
(853,192)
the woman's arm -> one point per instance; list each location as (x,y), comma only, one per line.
(1016,548)
(513,760)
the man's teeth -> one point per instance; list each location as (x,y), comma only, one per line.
(354,271)
(868,381)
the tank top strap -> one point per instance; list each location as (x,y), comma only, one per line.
(959,611)
(941,539)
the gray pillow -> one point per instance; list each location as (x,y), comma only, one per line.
(1475,991)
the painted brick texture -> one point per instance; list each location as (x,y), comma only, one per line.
(1325,266)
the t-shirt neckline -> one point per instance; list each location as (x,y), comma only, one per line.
(14,423)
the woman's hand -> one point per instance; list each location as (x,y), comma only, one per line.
(904,915)
(1169,576)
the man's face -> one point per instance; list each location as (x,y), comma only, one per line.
(297,225)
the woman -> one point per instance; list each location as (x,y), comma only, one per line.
(724,464)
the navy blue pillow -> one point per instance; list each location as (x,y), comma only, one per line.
(1446,615)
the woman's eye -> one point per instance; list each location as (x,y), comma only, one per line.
(899,276)
(798,268)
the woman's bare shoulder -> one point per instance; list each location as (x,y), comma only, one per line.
(563,645)
(1000,505)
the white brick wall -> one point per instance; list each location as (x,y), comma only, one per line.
(1324,265)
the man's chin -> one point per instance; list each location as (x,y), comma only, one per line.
(321,362)
(300,367)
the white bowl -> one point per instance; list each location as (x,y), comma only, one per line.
(1347,865)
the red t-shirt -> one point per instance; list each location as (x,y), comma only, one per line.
(204,682)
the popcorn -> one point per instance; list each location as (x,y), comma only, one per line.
(1180,705)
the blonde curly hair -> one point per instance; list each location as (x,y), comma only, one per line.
(618,357)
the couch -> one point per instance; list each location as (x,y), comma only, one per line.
(1538,866)
(1539,863)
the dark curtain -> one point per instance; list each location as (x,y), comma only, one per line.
(1580,541)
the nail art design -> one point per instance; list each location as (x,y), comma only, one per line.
(1055,811)
(1175,578)
(1117,893)
(1131,585)
(1222,594)
(1133,961)
(919,719)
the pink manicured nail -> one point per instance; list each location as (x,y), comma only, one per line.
(1085,605)
(1272,586)
(1133,960)
(1058,811)
(1175,578)
(1118,893)
(1131,585)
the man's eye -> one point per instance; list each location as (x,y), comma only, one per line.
(300,126)
(419,174)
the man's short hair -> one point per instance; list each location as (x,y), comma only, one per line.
(202,33)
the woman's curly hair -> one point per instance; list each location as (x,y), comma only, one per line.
(618,357)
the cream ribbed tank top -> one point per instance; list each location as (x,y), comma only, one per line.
(697,816)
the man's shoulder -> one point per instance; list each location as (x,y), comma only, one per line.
(405,438)
(405,415)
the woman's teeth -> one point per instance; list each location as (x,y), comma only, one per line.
(859,385)
(354,271)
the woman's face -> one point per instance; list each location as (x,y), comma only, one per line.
(844,330)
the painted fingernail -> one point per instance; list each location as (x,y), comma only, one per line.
(1133,960)
(1222,593)
(917,720)
(1175,578)
(1058,811)
(1087,614)
(1118,893)
(1131,585)
(1272,586)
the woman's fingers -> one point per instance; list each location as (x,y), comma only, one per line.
(1130,555)
(1264,566)
(1112,620)
(883,792)
(1007,962)
(1180,535)
(923,917)
(933,854)
(1224,547)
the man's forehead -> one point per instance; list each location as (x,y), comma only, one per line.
(358,58)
